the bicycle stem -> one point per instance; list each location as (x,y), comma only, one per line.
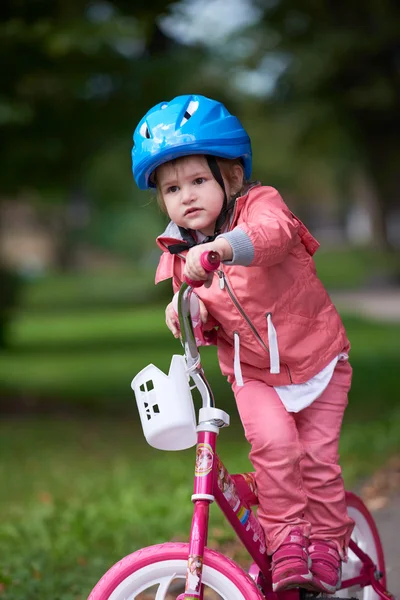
(190,347)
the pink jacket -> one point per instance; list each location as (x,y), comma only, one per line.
(275,320)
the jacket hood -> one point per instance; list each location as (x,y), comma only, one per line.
(171,235)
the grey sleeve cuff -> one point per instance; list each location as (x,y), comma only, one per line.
(243,249)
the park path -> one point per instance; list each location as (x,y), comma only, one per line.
(382,492)
(381,304)
(388,522)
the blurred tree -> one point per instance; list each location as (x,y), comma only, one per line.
(76,77)
(10,284)
(337,63)
(317,85)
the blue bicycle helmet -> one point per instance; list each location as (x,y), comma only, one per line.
(189,124)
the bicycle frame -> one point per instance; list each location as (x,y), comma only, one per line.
(213,482)
(236,494)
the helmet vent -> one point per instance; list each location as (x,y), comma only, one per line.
(144,131)
(189,112)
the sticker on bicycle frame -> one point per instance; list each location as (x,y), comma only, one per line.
(227,487)
(204,460)
(193,575)
(258,533)
(251,482)
(243,515)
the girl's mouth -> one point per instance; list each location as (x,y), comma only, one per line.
(191,211)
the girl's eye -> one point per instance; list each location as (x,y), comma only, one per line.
(199,180)
(172,189)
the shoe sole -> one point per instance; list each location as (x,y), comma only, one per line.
(324,587)
(289,584)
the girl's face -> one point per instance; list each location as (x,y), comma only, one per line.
(192,196)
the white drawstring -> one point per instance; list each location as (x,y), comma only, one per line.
(273,347)
(236,361)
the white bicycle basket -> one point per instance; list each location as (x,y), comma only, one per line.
(166,406)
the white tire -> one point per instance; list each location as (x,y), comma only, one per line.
(157,569)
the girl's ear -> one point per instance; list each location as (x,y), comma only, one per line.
(237,178)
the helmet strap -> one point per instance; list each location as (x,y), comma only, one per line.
(216,171)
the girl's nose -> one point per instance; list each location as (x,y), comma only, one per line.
(188,195)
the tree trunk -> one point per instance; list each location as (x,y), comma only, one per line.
(382,158)
(10,285)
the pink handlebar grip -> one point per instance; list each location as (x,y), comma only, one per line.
(210,262)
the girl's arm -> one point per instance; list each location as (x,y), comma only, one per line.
(267,233)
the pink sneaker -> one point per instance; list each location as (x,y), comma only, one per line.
(290,563)
(326,566)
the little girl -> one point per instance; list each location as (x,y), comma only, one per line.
(280,340)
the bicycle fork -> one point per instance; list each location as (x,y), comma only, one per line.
(202,498)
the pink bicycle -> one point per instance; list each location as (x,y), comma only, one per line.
(163,571)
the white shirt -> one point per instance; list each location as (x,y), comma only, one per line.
(297,396)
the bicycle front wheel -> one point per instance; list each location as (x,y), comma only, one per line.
(159,572)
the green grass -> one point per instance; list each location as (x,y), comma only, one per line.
(342,268)
(91,357)
(88,358)
(350,268)
(80,495)
(80,290)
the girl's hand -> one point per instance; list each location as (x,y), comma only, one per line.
(193,269)
(203,312)
(172,321)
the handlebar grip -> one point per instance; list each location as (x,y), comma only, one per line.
(210,262)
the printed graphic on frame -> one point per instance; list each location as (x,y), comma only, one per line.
(204,459)
(245,515)
(193,574)
(227,487)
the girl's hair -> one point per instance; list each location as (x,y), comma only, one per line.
(225,164)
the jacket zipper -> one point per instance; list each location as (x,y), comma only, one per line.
(223,282)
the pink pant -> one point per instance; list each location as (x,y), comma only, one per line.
(295,456)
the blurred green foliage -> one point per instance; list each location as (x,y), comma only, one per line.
(77,79)
(78,340)
(315,84)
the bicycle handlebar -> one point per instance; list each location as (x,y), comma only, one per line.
(210,262)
